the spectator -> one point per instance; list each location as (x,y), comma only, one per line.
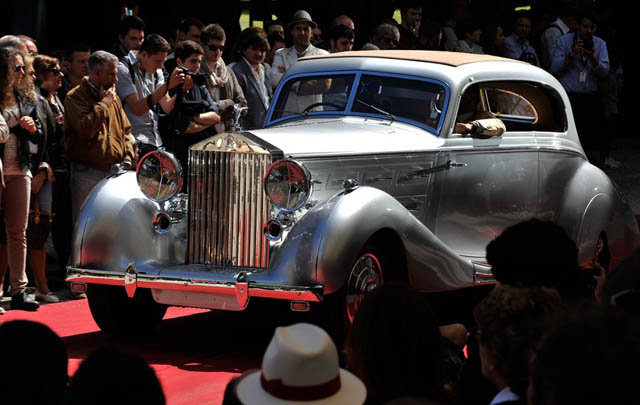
(49,78)
(492,39)
(430,36)
(97,129)
(451,42)
(411,14)
(12,41)
(30,43)
(189,29)
(99,380)
(141,86)
(399,319)
(253,76)
(470,31)
(130,36)
(300,365)
(593,359)
(562,25)
(556,268)
(344,20)
(301,28)
(517,44)
(276,42)
(511,322)
(221,81)
(196,123)
(19,110)
(274,26)
(579,60)
(317,39)
(76,66)
(341,38)
(386,36)
(30,345)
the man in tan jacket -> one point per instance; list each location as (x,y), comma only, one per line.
(97,129)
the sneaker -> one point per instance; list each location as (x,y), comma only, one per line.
(48,297)
(611,163)
(22,301)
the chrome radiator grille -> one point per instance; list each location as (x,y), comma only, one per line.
(227,204)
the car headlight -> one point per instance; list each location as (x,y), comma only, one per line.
(159,176)
(288,185)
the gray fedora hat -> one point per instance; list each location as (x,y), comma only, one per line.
(302,16)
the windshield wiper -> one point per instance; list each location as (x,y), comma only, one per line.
(381,111)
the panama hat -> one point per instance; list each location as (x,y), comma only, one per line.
(300,366)
(302,16)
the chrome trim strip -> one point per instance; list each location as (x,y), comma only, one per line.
(285,292)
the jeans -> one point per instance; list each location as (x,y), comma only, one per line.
(16,212)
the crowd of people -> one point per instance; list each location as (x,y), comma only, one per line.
(68,117)
(550,332)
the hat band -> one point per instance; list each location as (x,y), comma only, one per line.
(300,393)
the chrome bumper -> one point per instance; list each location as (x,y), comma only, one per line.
(242,287)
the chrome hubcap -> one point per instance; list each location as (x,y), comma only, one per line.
(366,274)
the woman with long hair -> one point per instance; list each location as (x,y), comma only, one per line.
(18,108)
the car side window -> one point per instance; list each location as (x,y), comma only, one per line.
(522,106)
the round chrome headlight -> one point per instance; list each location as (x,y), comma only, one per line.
(159,176)
(288,184)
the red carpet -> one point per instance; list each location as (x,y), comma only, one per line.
(191,357)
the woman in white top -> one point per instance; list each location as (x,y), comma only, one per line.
(470,32)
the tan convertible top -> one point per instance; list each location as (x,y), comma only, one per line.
(445,58)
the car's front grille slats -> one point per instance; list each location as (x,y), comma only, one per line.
(227,207)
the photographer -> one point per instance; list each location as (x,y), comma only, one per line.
(195,113)
(579,60)
(141,86)
(517,45)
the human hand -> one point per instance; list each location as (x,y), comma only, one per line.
(48,171)
(188,84)
(176,79)
(109,95)
(578,48)
(462,128)
(281,69)
(28,123)
(37,182)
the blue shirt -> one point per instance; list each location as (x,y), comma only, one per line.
(514,47)
(569,75)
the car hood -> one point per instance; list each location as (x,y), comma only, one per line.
(347,136)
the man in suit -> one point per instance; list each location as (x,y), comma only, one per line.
(253,76)
(301,28)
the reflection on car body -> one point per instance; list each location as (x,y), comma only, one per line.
(357,178)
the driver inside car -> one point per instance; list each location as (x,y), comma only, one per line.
(472,119)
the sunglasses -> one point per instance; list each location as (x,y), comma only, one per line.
(215,47)
(390,41)
(19,67)
(55,71)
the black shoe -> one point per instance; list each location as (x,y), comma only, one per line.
(22,301)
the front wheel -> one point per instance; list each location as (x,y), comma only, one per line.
(118,315)
(365,275)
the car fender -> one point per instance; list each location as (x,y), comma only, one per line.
(355,216)
(115,228)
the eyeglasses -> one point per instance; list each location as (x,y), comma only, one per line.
(390,41)
(215,47)
(55,71)
(19,67)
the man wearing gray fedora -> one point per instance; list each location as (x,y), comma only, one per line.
(301,28)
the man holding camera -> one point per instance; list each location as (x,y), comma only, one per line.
(141,87)
(579,60)
(195,114)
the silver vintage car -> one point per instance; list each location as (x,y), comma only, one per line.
(358,177)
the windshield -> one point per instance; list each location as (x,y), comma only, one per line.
(413,100)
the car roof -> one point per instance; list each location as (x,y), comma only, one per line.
(445,58)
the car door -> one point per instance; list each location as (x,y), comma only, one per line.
(489,184)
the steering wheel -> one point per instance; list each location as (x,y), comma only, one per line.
(314,105)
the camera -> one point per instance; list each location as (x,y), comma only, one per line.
(587,44)
(199,79)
